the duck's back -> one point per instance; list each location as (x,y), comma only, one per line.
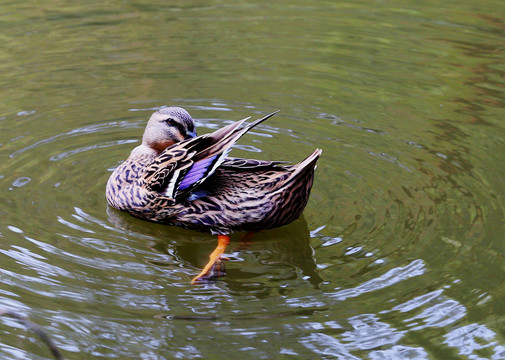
(241,199)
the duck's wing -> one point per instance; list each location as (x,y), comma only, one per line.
(239,164)
(182,167)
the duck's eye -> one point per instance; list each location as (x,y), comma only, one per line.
(170,122)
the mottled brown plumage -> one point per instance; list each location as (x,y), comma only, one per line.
(176,178)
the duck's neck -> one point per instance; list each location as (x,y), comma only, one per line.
(132,169)
(143,151)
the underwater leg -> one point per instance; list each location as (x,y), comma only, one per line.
(215,266)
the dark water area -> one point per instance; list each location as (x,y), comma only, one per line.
(399,253)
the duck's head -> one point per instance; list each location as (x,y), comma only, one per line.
(168,126)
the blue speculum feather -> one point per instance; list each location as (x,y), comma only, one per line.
(197,171)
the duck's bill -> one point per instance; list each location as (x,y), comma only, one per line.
(190,135)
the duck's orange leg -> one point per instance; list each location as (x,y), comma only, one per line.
(215,260)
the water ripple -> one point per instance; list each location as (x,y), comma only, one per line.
(69,153)
(438,315)
(370,333)
(326,345)
(35,262)
(21,181)
(86,130)
(471,339)
(399,352)
(418,301)
(391,277)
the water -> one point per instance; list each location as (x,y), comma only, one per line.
(399,253)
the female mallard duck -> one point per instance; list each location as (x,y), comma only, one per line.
(175,177)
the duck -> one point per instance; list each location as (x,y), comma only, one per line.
(175,177)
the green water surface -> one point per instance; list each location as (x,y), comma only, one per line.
(400,251)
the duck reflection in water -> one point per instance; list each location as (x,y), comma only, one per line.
(285,251)
(177,178)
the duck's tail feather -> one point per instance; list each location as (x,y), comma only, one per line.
(307,165)
(224,140)
(302,175)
